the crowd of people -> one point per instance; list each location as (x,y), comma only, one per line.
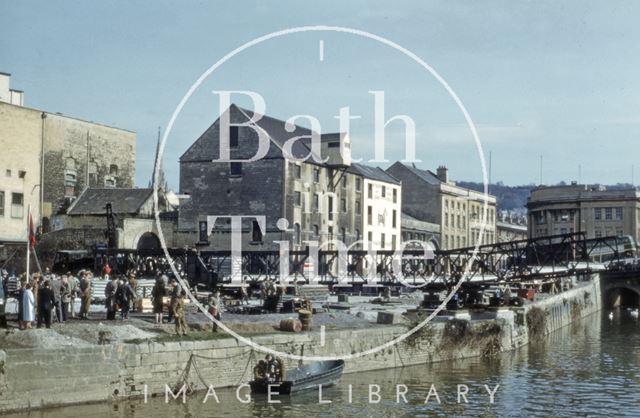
(44,298)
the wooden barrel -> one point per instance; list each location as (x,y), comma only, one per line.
(305,317)
(290,325)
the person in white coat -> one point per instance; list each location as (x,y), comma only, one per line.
(28,306)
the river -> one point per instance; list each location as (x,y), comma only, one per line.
(591,368)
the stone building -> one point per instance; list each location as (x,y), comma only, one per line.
(511,227)
(48,159)
(432,197)
(584,208)
(318,201)
(413,229)
(7,94)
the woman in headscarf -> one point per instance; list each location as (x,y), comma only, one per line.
(28,306)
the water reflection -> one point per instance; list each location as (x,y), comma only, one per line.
(591,368)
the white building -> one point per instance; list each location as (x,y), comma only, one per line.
(381,207)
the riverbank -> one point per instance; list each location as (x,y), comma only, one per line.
(46,377)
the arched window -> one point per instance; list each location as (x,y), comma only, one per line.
(113,170)
(296,234)
(316,230)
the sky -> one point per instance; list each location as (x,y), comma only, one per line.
(551,79)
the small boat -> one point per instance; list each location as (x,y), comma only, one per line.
(634,313)
(309,376)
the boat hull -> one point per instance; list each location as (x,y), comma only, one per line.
(325,373)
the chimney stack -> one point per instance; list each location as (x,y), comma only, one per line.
(443,174)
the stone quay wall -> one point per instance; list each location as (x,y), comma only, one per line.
(40,378)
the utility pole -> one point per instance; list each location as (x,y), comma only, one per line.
(540,170)
(579,173)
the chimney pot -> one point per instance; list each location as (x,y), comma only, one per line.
(443,173)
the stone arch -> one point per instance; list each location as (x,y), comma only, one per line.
(148,241)
(622,296)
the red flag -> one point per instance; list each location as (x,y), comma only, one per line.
(32,234)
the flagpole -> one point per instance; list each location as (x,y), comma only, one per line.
(28,239)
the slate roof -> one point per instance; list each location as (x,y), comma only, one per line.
(274,128)
(425,175)
(123,201)
(278,134)
(373,173)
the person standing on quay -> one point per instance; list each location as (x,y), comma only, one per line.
(23,284)
(181,323)
(65,297)
(110,297)
(46,302)
(56,286)
(28,306)
(85,295)
(157,294)
(73,292)
(175,294)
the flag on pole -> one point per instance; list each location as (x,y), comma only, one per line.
(32,233)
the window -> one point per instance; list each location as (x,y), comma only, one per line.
(357,234)
(113,170)
(358,207)
(316,201)
(297,171)
(458,224)
(393,220)
(316,175)
(608,214)
(395,195)
(22,174)
(204,236)
(296,234)
(330,207)
(233,137)
(17,205)
(343,235)
(297,198)
(93,173)
(384,191)
(1,203)
(563,230)
(256,232)
(370,191)
(344,181)
(619,232)
(370,237)
(110,181)
(597,213)
(382,240)
(8,173)
(369,215)
(316,230)
(618,214)
(343,205)
(330,233)
(358,186)
(446,219)
(393,242)
(235,169)
(598,233)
